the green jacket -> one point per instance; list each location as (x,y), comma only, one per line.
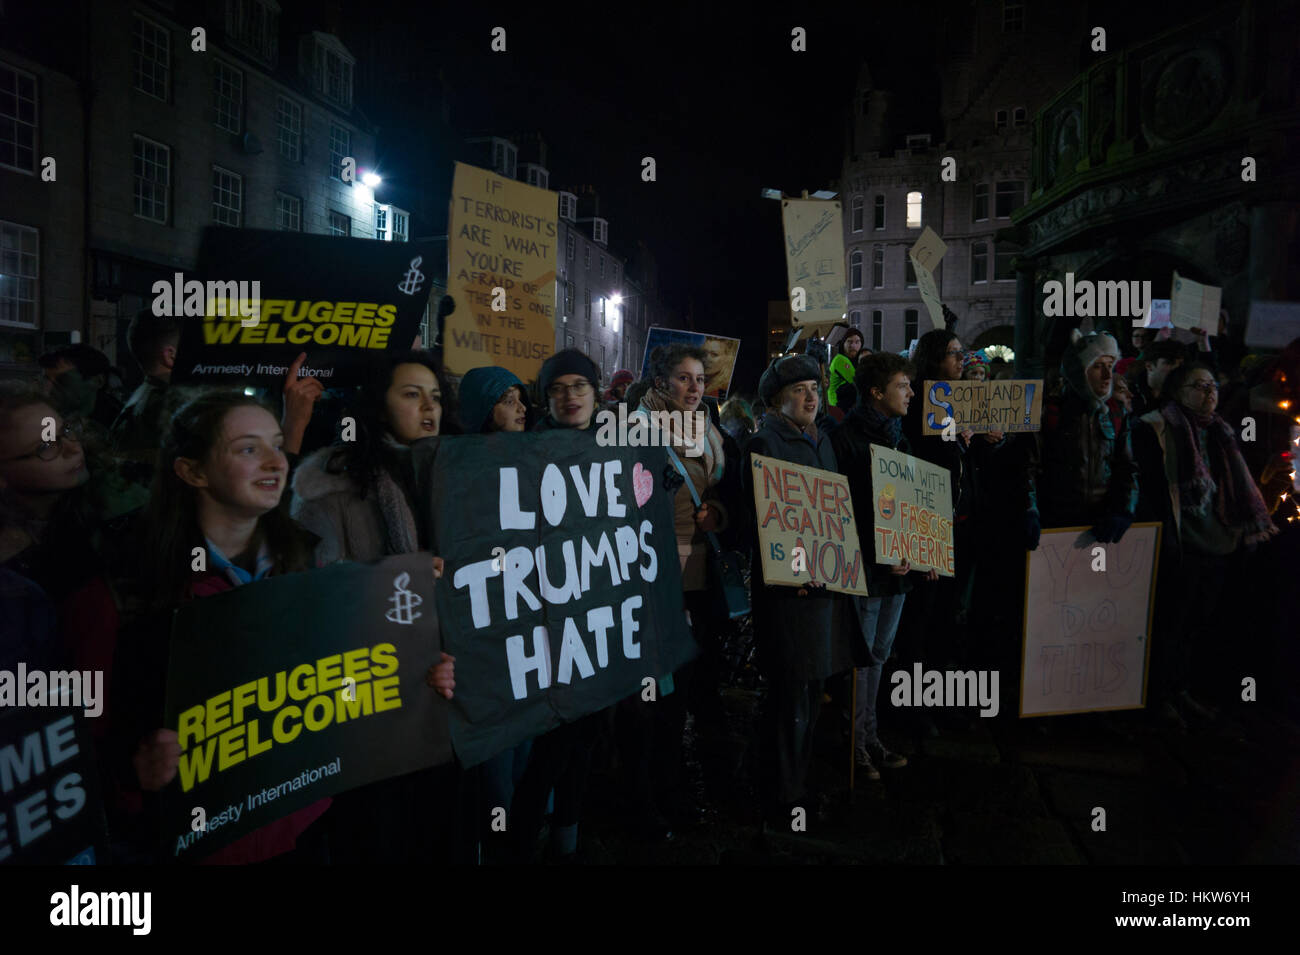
(842,373)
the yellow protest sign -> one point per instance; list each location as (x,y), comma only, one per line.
(913,512)
(501,251)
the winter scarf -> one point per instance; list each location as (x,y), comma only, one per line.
(891,426)
(236,574)
(713,457)
(394,505)
(1216,470)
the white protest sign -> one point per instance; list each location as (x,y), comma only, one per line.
(927,252)
(814,258)
(1156,315)
(1193,305)
(1088,621)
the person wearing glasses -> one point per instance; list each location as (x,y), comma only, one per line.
(1194,479)
(569,383)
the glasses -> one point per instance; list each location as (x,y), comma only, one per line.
(1204,387)
(50,450)
(579,390)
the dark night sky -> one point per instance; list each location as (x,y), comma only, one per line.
(723,105)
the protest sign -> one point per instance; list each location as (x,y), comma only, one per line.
(720,355)
(51,810)
(1005,405)
(501,253)
(295,688)
(1272,324)
(806,528)
(913,511)
(926,253)
(814,258)
(1156,315)
(1193,305)
(562,588)
(1088,621)
(342,301)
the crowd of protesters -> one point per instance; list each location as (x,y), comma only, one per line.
(100,515)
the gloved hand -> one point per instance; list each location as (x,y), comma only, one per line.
(1111,528)
(1033,529)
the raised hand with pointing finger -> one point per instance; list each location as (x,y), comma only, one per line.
(300,396)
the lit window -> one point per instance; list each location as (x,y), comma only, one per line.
(227,196)
(855,269)
(227,96)
(381,223)
(980,211)
(979,262)
(859,210)
(340,147)
(878,267)
(401,225)
(1010,197)
(879,218)
(152,164)
(288,212)
(288,128)
(340,224)
(914,210)
(151,52)
(19,274)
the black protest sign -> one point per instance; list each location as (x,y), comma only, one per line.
(562,588)
(51,811)
(263,297)
(297,687)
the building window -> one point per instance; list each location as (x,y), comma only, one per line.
(253,25)
(586,346)
(586,256)
(288,212)
(855,269)
(878,267)
(568,339)
(17,119)
(979,262)
(1000,119)
(980,210)
(1003,253)
(879,219)
(1018,116)
(569,245)
(227,196)
(859,212)
(602,311)
(855,319)
(503,157)
(602,266)
(227,96)
(152,167)
(914,210)
(568,206)
(401,225)
(1013,16)
(19,274)
(151,51)
(340,147)
(568,300)
(1010,197)
(288,128)
(877,328)
(537,176)
(600,231)
(616,275)
(909,326)
(340,224)
(381,223)
(331,68)
(586,298)
(910,279)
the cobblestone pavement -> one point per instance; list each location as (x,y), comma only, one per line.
(992,791)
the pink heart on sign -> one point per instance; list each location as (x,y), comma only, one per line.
(643,485)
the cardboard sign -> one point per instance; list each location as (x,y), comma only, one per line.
(1193,305)
(913,512)
(501,272)
(340,300)
(1087,629)
(562,588)
(814,259)
(1156,315)
(297,687)
(51,810)
(806,528)
(926,254)
(720,356)
(1007,405)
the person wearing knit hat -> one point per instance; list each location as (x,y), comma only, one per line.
(1157,360)
(569,383)
(618,385)
(492,399)
(974,367)
(1086,474)
(784,371)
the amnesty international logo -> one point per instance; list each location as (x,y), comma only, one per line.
(414,278)
(404,601)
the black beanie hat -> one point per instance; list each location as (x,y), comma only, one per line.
(570,361)
(786,370)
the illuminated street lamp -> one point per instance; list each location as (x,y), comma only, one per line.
(371,179)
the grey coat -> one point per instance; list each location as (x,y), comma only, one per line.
(349,527)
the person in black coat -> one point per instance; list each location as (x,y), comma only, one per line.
(797,629)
